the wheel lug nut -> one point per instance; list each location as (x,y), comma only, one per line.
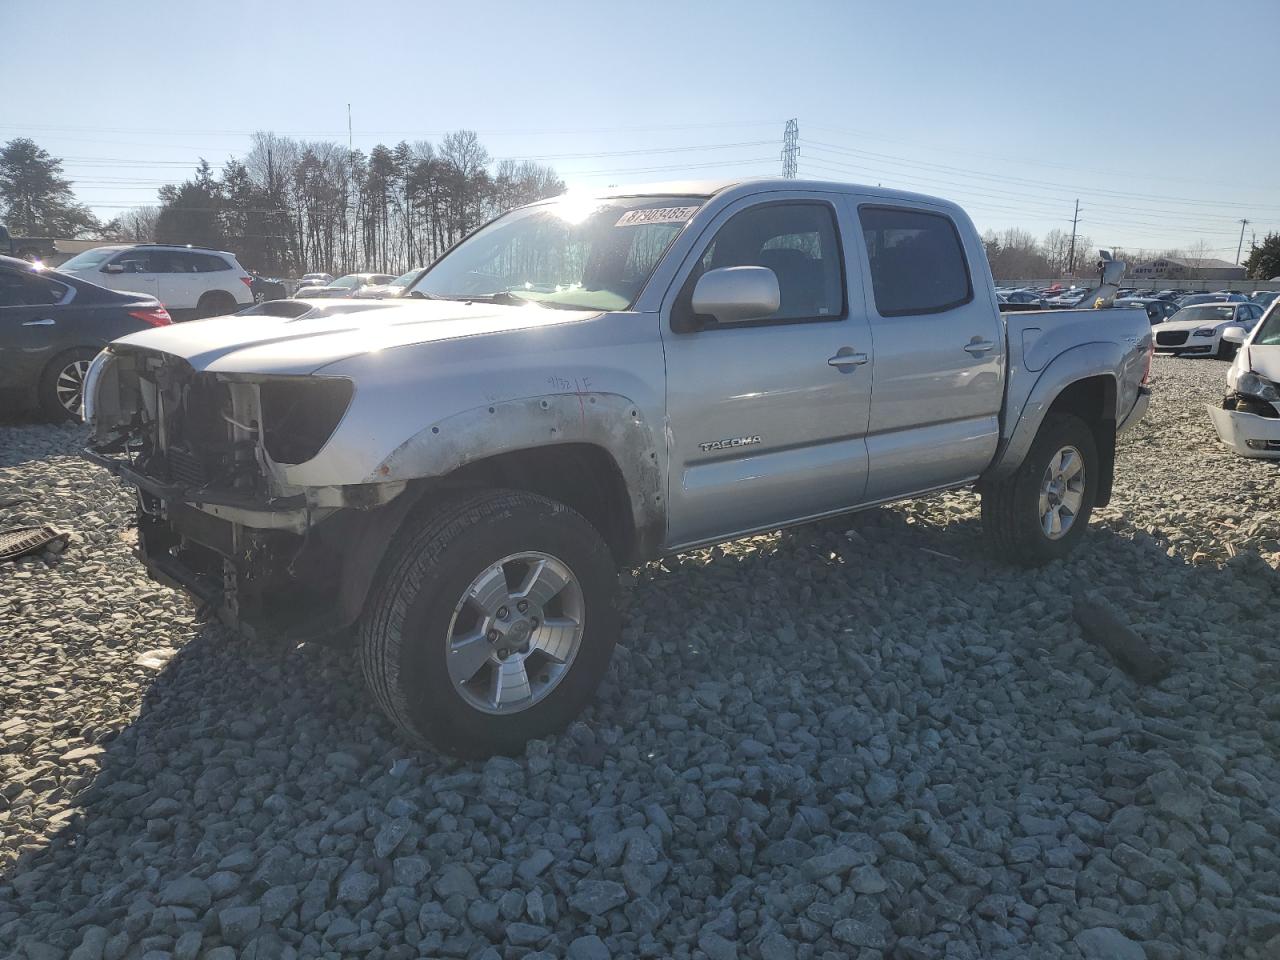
(492,635)
(522,606)
(502,652)
(503,613)
(533,622)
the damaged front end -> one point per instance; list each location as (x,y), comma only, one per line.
(1248,419)
(209,454)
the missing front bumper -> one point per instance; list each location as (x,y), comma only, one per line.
(1246,433)
(289,514)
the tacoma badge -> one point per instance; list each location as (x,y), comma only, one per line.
(731,442)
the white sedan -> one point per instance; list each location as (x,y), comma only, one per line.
(1197,330)
(1248,419)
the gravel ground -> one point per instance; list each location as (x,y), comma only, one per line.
(856,739)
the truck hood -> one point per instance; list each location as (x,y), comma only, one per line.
(335,330)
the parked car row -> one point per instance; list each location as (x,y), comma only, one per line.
(363,285)
(1054,297)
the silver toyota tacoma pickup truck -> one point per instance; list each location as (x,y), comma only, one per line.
(589,382)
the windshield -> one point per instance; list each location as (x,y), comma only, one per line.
(572,253)
(405,278)
(1268,334)
(1205,314)
(88,259)
(348,281)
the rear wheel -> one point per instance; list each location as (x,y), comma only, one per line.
(216,303)
(493,623)
(61,387)
(1040,511)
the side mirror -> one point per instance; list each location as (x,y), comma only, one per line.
(731,294)
(113,268)
(1234,334)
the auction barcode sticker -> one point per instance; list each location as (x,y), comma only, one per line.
(656,215)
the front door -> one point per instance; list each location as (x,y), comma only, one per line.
(30,332)
(133,271)
(766,418)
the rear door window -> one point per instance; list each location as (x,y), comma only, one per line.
(208,262)
(19,288)
(917,262)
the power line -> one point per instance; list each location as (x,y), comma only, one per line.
(1007,158)
(1025,200)
(1005,178)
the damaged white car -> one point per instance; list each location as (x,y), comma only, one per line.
(1248,419)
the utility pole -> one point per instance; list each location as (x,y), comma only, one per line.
(790,149)
(349,205)
(1239,246)
(1071,255)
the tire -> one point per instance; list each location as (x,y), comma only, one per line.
(1011,507)
(420,609)
(216,303)
(1226,350)
(59,389)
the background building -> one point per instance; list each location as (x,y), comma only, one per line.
(1186,268)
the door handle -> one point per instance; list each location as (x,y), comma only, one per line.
(845,357)
(977,346)
(42,322)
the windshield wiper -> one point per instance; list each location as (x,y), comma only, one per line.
(503,296)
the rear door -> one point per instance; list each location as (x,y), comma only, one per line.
(181,282)
(939,349)
(766,417)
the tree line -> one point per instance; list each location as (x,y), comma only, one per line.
(290,206)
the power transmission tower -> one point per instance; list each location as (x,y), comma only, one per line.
(1239,246)
(790,149)
(1071,255)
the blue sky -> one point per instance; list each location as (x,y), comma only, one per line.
(1162,118)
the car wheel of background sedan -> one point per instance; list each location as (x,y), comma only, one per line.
(61,388)
(1039,512)
(1226,350)
(216,303)
(492,623)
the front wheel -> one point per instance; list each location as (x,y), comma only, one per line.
(1040,511)
(493,624)
(1226,350)
(61,387)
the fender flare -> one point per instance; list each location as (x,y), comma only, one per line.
(1088,360)
(611,421)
